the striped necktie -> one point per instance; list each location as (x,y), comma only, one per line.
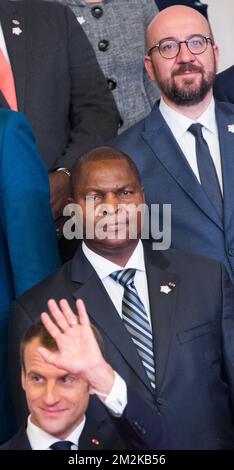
(136,321)
(7,84)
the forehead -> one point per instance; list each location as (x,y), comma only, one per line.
(34,362)
(178,23)
(106,173)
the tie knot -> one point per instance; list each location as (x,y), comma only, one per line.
(61,445)
(196,130)
(124,277)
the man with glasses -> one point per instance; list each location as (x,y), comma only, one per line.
(184,148)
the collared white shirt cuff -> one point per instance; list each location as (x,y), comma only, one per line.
(117,399)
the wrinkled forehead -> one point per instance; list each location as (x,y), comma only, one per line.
(176,22)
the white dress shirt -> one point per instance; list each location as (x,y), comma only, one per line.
(104,268)
(179,124)
(41,440)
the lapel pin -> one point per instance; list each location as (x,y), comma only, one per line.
(171,284)
(231,128)
(165,289)
(81,19)
(95,441)
(16,22)
(16,30)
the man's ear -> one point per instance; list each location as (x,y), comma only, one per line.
(149,67)
(70,200)
(23,378)
(216,54)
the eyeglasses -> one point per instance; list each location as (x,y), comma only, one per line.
(170,48)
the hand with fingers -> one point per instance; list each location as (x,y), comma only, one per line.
(78,350)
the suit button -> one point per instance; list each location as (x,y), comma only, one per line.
(97,12)
(120,123)
(103,45)
(231,251)
(112,84)
(160,401)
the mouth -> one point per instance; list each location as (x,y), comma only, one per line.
(51,413)
(115,227)
(187,73)
(187,70)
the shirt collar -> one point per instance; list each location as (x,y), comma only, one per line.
(104,267)
(41,440)
(179,123)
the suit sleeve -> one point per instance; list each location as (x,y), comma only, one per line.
(26,217)
(141,426)
(228,336)
(94,117)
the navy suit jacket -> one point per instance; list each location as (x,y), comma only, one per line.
(28,244)
(193,331)
(168,179)
(92,438)
(59,84)
(224,85)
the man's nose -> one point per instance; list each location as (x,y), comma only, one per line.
(184,54)
(51,394)
(111,203)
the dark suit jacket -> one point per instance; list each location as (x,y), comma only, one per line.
(168,178)
(92,438)
(224,85)
(193,330)
(199,6)
(59,84)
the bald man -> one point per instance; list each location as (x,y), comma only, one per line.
(191,168)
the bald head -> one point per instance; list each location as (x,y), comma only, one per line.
(173,20)
(182,59)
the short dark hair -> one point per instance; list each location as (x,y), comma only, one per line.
(99,154)
(38,330)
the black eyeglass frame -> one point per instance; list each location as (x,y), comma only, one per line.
(186,41)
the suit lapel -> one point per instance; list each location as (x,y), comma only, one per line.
(172,158)
(162,308)
(20,441)
(16,46)
(91,438)
(103,313)
(225,118)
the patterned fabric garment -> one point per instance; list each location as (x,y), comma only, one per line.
(116,29)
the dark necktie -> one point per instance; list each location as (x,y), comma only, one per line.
(62,445)
(206,168)
(136,321)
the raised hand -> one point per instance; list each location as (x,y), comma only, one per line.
(78,350)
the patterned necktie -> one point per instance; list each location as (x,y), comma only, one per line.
(136,320)
(7,84)
(62,445)
(206,168)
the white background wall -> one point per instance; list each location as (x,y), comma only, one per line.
(221,16)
